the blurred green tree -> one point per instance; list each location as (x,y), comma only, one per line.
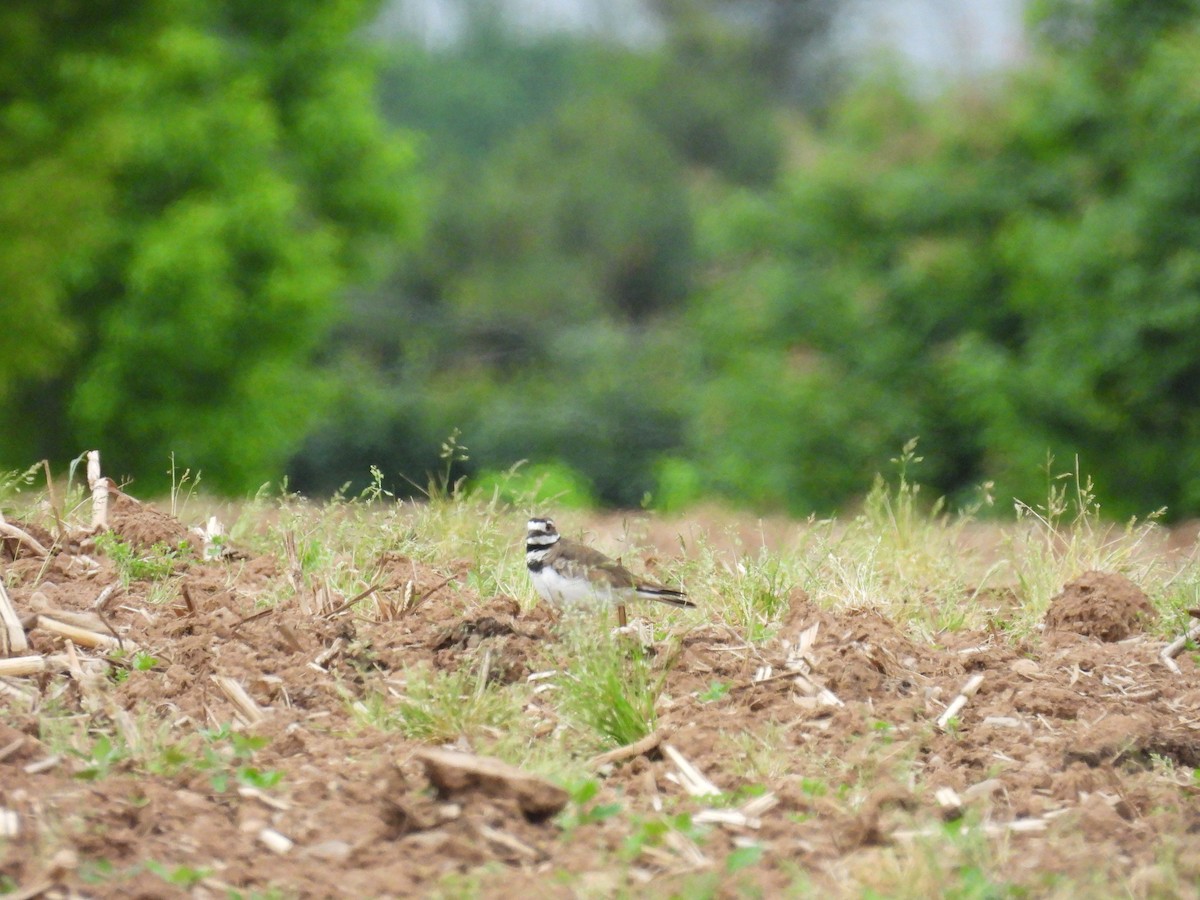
(189,187)
(1004,274)
(542,312)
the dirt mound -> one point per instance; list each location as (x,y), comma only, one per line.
(142,526)
(1103,605)
(495,633)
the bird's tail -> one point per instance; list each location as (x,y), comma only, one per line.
(665,595)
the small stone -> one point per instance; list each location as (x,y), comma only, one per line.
(1026,667)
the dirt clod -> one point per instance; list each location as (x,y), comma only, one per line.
(454,774)
(1103,605)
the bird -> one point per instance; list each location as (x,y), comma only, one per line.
(568,573)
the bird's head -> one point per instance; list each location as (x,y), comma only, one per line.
(540,531)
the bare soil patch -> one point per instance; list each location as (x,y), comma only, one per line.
(1075,753)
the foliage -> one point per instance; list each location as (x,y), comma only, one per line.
(1001,273)
(187,188)
(651,268)
(559,252)
(613,688)
(154,564)
(538,487)
(443,706)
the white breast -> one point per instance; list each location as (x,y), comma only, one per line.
(570,592)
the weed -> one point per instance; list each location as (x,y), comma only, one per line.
(743,857)
(814,787)
(754,592)
(582,811)
(227,755)
(441,488)
(443,706)
(652,831)
(183,488)
(154,565)
(716,691)
(179,876)
(1065,536)
(765,752)
(95,871)
(612,688)
(101,759)
(12,483)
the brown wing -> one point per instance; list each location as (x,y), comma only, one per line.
(595,565)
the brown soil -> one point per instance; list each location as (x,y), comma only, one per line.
(1102,605)
(1071,733)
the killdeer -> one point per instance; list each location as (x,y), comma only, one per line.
(568,573)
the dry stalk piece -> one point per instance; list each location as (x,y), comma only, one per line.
(189,604)
(9,749)
(12,638)
(92,702)
(10,823)
(45,764)
(330,652)
(690,778)
(295,573)
(81,636)
(411,603)
(1176,646)
(991,829)
(508,842)
(269,611)
(322,600)
(7,529)
(748,815)
(60,531)
(687,848)
(983,789)
(37,890)
(275,841)
(33,665)
(89,621)
(407,603)
(758,806)
(250,711)
(732,817)
(1003,722)
(947,798)
(629,751)
(253,793)
(965,693)
(807,638)
(1018,826)
(825,697)
(362,595)
(99,488)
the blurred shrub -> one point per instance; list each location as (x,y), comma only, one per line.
(188,188)
(1004,274)
(541,314)
(679,484)
(537,487)
(624,273)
